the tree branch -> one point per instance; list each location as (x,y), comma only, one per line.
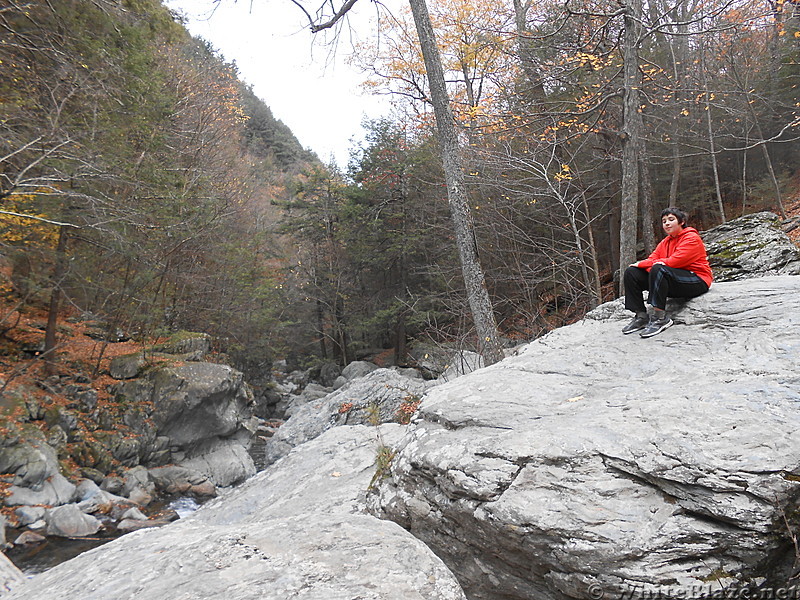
(14,214)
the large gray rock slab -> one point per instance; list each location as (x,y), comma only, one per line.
(375,397)
(295,530)
(595,464)
(10,575)
(751,246)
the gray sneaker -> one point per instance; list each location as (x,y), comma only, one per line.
(638,323)
(656,326)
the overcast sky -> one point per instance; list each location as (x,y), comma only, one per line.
(316,94)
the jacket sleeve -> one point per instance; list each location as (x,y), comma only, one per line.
(690,248)
(660,253)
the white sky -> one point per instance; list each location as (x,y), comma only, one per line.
(306,85)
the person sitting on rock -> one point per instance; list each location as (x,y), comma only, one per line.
(677,268)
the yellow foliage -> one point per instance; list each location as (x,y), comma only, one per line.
(565,174)
(21,231)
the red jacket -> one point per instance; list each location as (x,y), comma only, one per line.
(684,251)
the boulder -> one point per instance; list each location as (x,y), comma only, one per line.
(134,514)
(70,521)
(328,373)
(751,246)
(269,539)
(224,462)
(377,397)
(36,479)
(128,525)
(174,479)
(127,366)
(199,401)
(358,368)
(186,342)
(597,465)
(198,408)
(102,502)
(29,538)
(29,514)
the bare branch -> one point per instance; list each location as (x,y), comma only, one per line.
(14,214)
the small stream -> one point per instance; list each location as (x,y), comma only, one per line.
(38,558)
(55,550)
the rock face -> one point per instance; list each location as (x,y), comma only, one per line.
(595,464)
(379,394)
(34,465)
(268,539)
(753,245)
(200,416)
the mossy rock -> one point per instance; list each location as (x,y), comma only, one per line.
(751,246)
(185,342)
(127,366)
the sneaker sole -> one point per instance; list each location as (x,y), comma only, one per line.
(666,325)
(632,330)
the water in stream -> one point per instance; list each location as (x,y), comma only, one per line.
(55,550)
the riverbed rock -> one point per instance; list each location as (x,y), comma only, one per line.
(598,465)
(225,462)
(70,521)
(174,480)
(376,397)
(751,246)
(28,514)
(29,538)
(269,539)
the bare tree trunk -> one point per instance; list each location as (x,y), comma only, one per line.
(678,46)
(710,131)
(477,294)
(630,134)
(55,300)
(648,218)
(744,168)
(323,348)
(598,288)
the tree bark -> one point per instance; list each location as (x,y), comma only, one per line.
(648,216)
(710,131)
(630,135)
(55,301)
(477,294)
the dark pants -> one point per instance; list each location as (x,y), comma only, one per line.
(662,282)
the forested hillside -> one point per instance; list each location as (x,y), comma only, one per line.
(142,182)
(139,175)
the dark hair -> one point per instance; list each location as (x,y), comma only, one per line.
(678,214)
